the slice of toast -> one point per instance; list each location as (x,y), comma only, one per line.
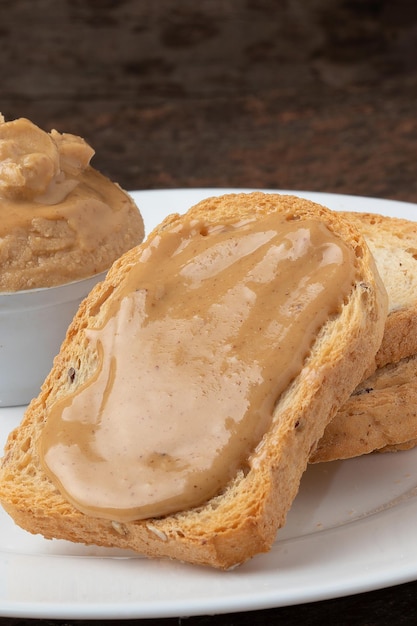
(380,415)
(242,519)
(393,243)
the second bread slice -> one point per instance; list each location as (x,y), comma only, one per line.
(381,413)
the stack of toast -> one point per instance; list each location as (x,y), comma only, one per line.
(381,414)
(352,395)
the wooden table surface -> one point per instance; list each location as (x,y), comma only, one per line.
(318,96)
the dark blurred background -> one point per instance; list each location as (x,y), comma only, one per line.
(313,95)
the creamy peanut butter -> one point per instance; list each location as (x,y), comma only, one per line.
(60,219)
(200,340)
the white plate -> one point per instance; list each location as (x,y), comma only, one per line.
(351,528)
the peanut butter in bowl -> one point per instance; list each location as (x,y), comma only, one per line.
(62,225)
(60,219)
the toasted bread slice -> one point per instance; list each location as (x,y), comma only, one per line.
(381,414)
(243,518)
(393,243)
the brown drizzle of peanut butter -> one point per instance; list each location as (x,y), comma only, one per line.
(196,345)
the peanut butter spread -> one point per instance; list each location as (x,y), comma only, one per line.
(60,219)
(194,349)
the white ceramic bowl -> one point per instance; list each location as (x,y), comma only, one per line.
(33,324)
